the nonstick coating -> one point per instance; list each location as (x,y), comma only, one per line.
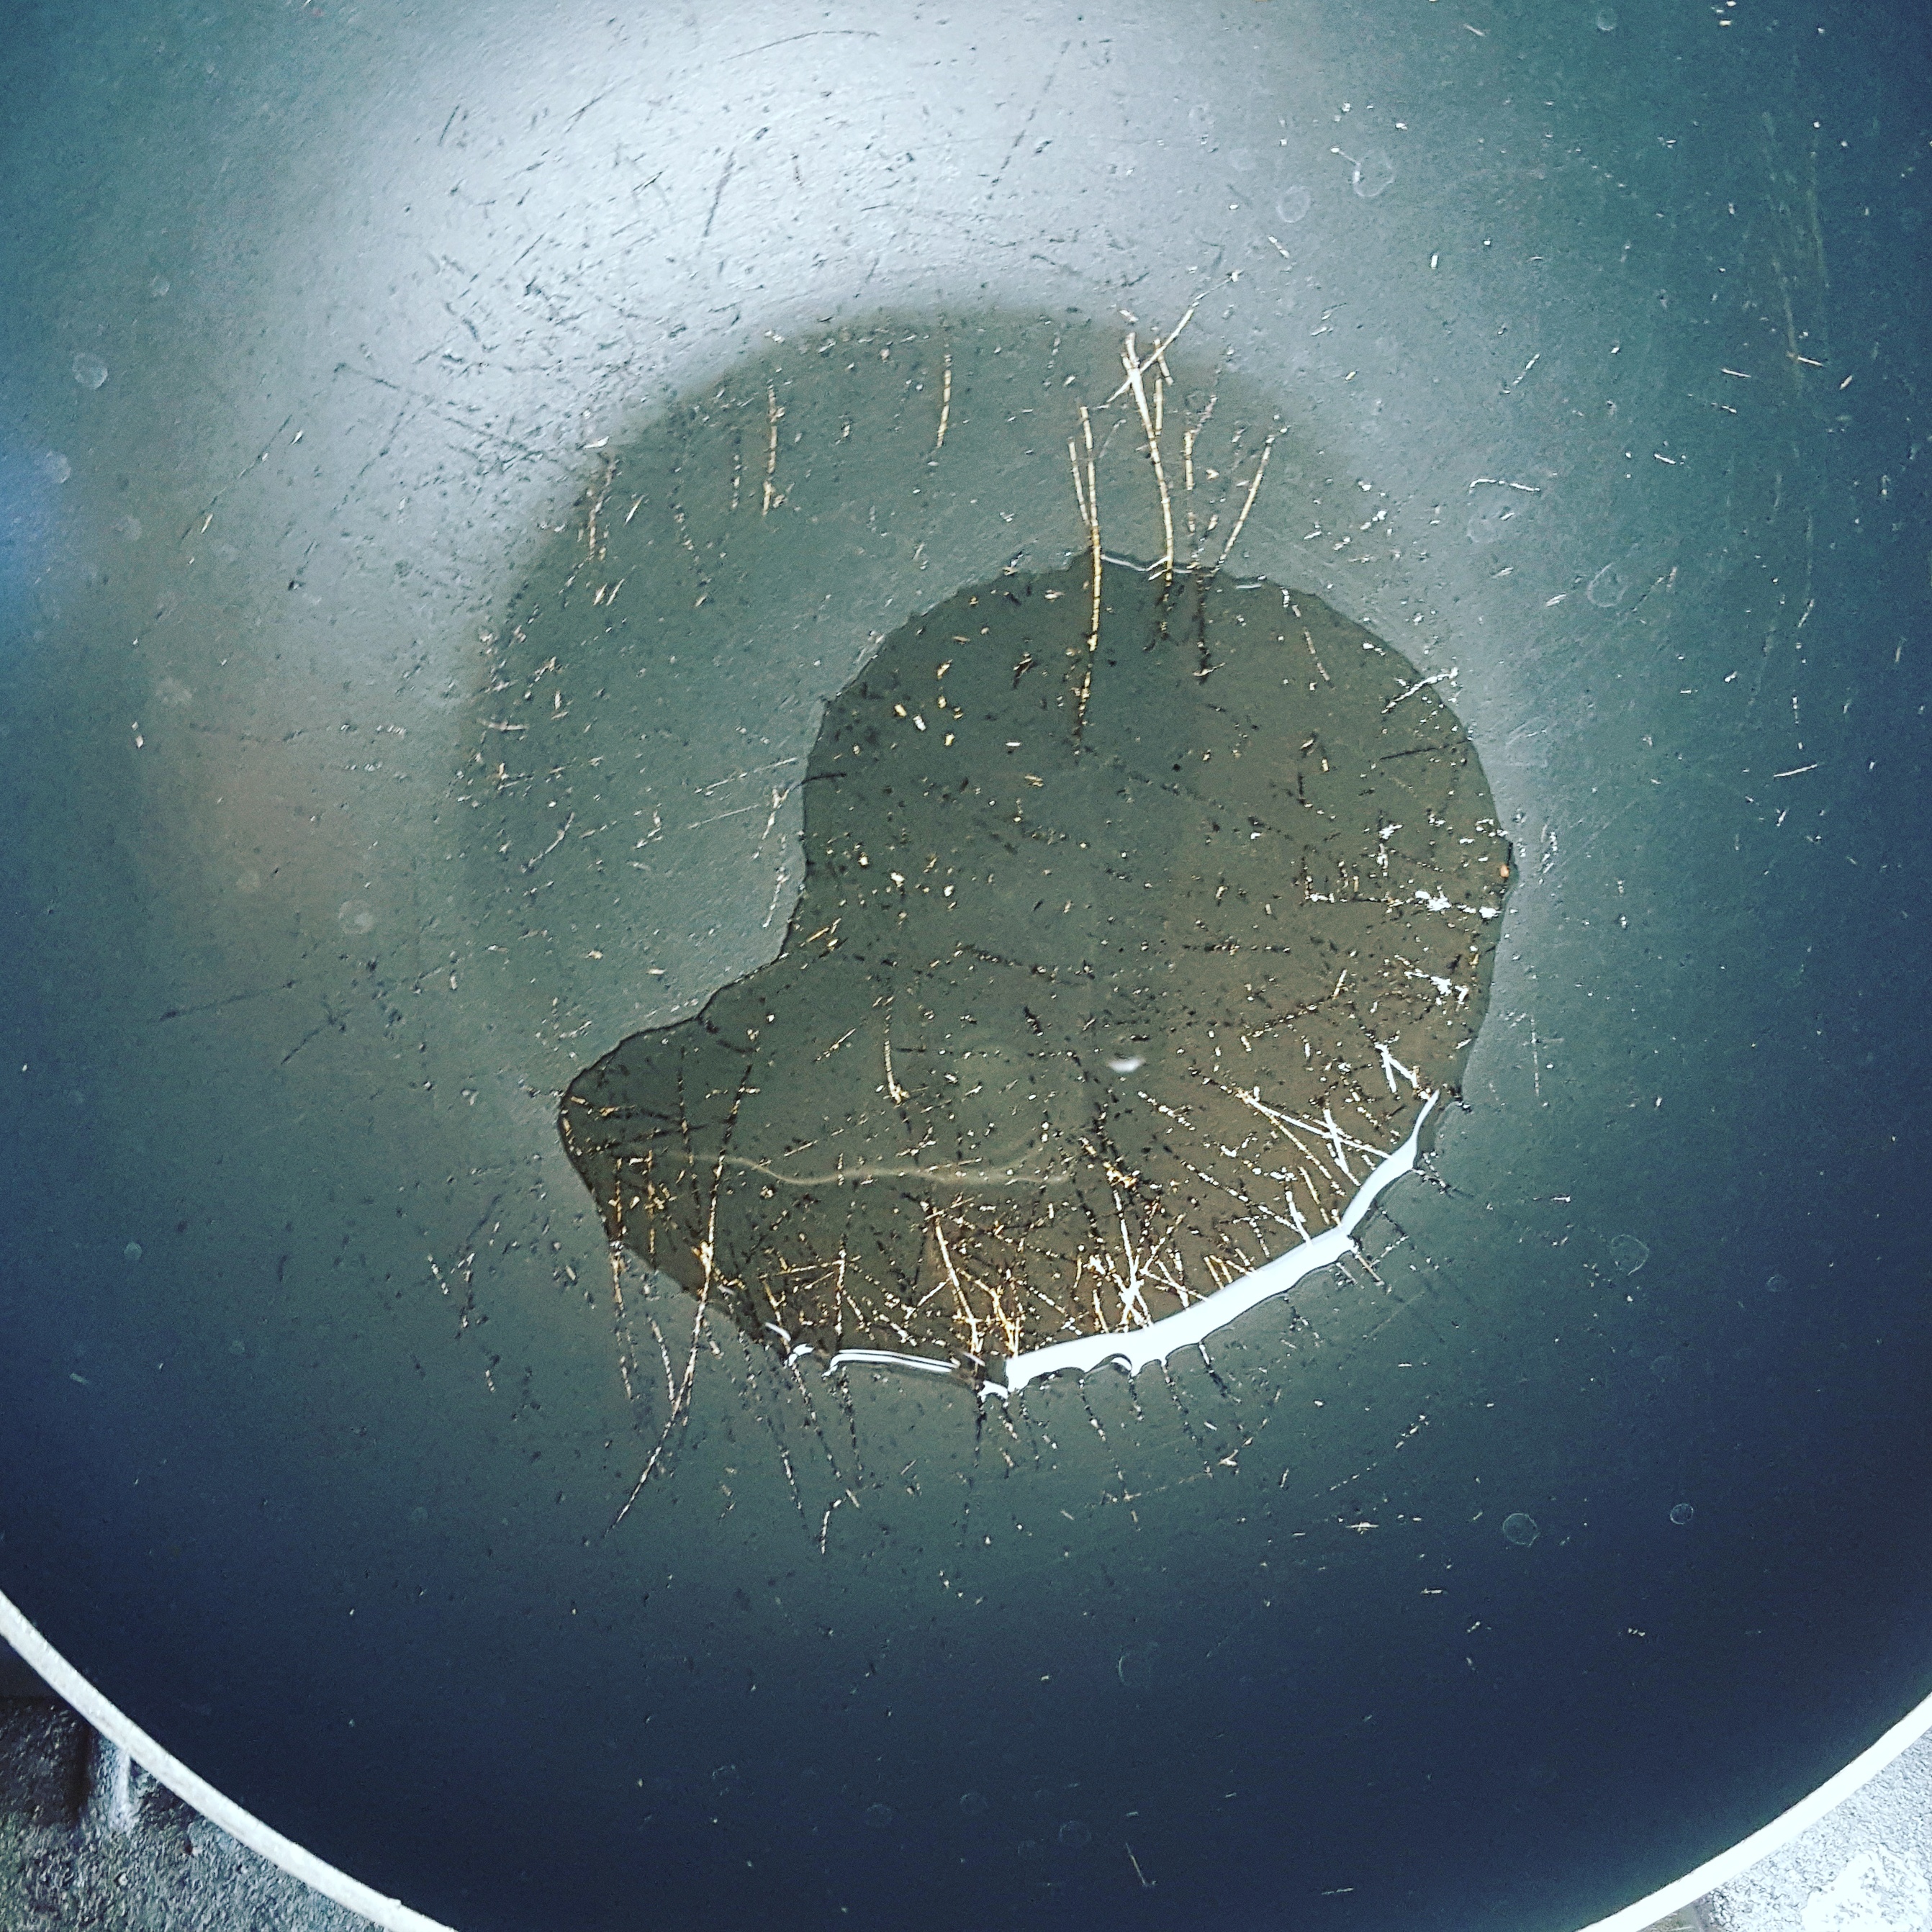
(1574,1531)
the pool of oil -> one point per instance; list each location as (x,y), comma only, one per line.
(956,1121)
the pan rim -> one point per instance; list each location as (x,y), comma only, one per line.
(161,1764)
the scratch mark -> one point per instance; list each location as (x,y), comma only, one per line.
(730,162)
(233,999)
(812,33)
(587,107)
(1046,88)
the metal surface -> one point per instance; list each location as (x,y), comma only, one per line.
(1594,336)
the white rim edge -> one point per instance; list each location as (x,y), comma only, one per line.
(1715,1873)
(161,1764)
(1132,1349)
(115,1725)
(882,1358)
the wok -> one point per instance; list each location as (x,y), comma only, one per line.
(1590,339)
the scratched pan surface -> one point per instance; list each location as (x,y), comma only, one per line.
(1591,340)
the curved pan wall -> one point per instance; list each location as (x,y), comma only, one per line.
(1569,1530)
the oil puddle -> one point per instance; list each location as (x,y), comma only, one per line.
(1145,912)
